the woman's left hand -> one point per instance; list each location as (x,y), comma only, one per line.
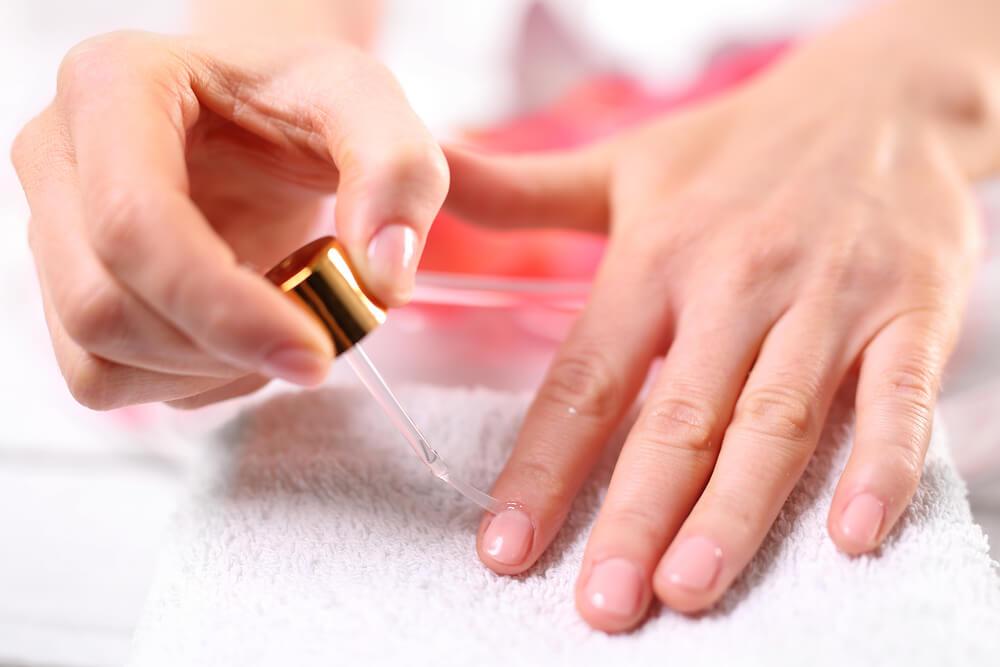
(814,225)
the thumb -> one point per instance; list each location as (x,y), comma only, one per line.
(566,189)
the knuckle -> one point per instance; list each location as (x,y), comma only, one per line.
(114,229)
(90,63)
(581,382)
(679,424)
(24,147)
(777,411)
(909,463)
(39,150)
(418,162)
(913,386)
(762,263)
(641,522)
(93,315)
(731,502)
(89,383)
(929,275)
(536,472)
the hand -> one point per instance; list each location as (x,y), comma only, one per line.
(808,227)
(168,173)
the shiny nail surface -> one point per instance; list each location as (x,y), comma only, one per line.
(694,564)
(508,537)
(862,519)
(392,254)
(615,587)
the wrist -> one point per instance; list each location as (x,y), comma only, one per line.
(881,69)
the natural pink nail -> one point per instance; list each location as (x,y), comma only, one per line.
(391,254)
(694,564)
(862,519)
(295,364)
(508,537)
(615,586)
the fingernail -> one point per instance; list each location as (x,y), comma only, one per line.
(694,564)
(508,537)
(295,364)
(615,586)
(862,518)
(391,254)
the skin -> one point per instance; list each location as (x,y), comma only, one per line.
(149,240)
(847,258)
(813,228)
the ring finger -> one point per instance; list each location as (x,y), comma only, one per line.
(776,424)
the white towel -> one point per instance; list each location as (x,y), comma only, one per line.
(316,539)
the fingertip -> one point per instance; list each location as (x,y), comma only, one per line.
(391,261)
(297,364)
(856,525)
(613,595)
(506,541)
(386,204)
(689,578)
(683,600)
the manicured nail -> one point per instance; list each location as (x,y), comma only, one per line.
(615,586)
(508,537)
(391,254)
(694,564)
(862,519)
(296,364)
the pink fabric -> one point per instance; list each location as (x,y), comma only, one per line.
(591,111)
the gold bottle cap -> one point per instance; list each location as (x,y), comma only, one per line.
(319,277)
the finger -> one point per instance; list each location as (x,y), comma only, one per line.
(897,390)
(667,458)
(95,312)
(775,427)
(559,189)
(100,384)
(348,108)
(589,386)
(235,389)
(148,233)
(393,181)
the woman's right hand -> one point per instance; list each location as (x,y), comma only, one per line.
(168,173)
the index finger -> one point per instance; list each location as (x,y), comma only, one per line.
(590,384)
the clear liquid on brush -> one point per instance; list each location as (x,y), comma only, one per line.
(376,386)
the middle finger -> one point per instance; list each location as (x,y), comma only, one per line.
(667,459)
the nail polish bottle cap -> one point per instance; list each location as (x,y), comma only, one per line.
(320,278)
